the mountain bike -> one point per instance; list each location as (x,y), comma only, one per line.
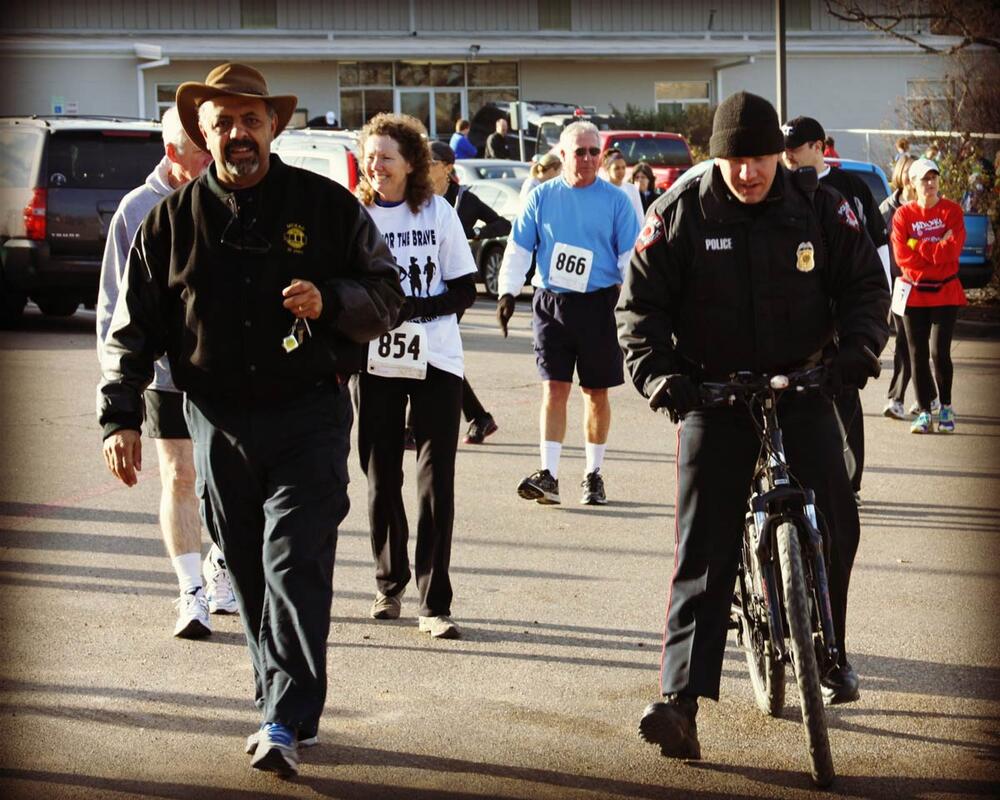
(781,605)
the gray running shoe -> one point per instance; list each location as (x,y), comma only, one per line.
(310,740)
(218,586)
(540,486)
(593,489)
(386,607)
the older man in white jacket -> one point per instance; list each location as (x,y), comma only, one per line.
(179,518)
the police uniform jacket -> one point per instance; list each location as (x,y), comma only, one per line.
(203,285)
(715,286)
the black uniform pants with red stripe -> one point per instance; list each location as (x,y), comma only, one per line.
(716,453)
(435,403)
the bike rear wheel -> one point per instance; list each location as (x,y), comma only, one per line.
(799,615)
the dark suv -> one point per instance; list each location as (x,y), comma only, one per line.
(61,179)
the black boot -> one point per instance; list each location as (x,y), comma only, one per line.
(671,724)
(840,685)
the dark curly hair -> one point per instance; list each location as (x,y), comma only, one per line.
(409,133)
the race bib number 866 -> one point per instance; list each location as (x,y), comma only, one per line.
(570,267)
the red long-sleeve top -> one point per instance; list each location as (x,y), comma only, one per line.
(931,259)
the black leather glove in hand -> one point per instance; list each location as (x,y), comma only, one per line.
(505,310)
(675,395)
(853,365)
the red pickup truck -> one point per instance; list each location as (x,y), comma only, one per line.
(666,153)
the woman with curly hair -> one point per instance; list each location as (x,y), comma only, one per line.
(420,362)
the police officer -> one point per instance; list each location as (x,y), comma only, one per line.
(260,282)
(804,147)
(744,269)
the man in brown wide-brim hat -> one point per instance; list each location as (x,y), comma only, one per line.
(262,283)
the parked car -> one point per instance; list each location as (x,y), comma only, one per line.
(61,179)
(975,264)
(503,195)
(477,169)
(331,153)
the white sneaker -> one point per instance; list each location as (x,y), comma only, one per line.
(218,586)
(441,627)
(894,410)
(935,407)
(192,615)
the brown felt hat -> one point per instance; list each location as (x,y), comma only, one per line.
(232,80)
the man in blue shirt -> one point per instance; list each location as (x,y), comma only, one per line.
(581,230)
(460,140)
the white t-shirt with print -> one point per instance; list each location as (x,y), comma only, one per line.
(429,248)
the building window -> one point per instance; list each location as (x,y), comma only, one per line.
(555,15)
(677,95)
(929,103)
(166,94)
(368,87)
(258,14)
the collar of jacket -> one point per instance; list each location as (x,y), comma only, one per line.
(720,205)
(275,175)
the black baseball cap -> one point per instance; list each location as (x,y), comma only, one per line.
(800,130)
(442,152)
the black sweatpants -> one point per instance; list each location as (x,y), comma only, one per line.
(853,420)
(900,362)
(716,453)
(435,404)
(273,490)
(929,330)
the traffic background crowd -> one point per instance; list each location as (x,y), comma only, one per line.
(326,300)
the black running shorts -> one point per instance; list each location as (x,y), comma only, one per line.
(576,330)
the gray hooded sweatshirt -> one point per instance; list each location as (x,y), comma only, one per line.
(124,224)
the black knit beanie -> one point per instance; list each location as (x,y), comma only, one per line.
(745,125)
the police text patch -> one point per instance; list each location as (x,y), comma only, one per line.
(722,243)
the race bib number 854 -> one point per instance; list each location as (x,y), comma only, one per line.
(400,353)
(570,267)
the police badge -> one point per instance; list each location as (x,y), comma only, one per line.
(804,261)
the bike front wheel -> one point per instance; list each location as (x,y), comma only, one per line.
(800,629)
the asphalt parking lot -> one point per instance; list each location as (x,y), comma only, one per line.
(561,607)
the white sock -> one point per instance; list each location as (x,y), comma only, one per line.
(188,569)
(551,451)
(595,456)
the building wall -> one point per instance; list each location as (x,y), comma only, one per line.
(606,83)
(855,92)
(99,85)
(597,16)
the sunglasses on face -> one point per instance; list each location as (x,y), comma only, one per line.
(593,152)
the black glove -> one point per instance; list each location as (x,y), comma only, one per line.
(853,365)
(505,310)
(405,313)
(675,395)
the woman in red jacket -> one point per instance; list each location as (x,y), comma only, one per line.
(927,239)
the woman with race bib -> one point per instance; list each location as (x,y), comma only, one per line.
(927,238)
(421,362)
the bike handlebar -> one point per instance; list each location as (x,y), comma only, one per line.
(749,385)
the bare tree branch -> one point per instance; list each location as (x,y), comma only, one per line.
(976,21)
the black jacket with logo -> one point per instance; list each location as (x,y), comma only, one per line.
(203,285)
(716,286)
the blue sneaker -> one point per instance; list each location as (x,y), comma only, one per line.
(946,422)
(922,424)
(277,750)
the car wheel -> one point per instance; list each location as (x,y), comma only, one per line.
(57,305)
(491,270)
